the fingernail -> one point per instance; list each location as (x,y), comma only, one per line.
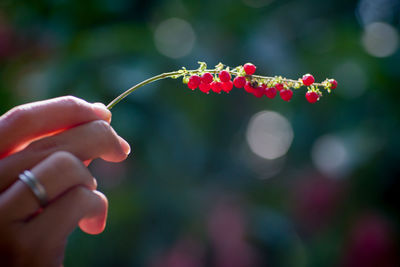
(125,146)
(94,184)
(101,110)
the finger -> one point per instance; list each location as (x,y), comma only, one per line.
(87,141)
(77,206)
(27,122)
(58,173)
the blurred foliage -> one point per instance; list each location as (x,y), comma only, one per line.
(192,193)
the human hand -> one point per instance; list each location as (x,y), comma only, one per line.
(54,139)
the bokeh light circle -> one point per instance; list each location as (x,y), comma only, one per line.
(174,38)
(269,134)
(380,39)
(330,155)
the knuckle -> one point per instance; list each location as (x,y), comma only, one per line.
(108,137)
(71,100)
(74,104)
(104,132)
(64,161)
(68,164)
(101,127)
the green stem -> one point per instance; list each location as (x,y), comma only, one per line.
(177,74)
(133,88)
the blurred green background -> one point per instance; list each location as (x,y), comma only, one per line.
(226,180)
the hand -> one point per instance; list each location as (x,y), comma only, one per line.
(54,139)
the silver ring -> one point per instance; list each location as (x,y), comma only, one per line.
(37,188)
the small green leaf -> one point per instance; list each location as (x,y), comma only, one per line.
(219,67)
(203,66)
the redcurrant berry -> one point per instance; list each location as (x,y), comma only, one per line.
(312,97)
(308,79)
(194,82)
(249,68)
(279,86)
(270,92)
(333,83)
(192,85)
(216,87)
(207,78)
(204,87)
(224,76)
(286,94)
(239,81)
(227,86)
(258,91)
(248,87)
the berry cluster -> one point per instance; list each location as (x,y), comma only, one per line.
(207,82)
(220,79)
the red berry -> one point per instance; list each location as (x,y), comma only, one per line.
(239,81)
(308,79)
(207,78)
(248,87)
(227,86)
(249,68)
(194,82)
(204,87)
(216,87)
(192,85)
(286,94)
(195,78)
(270,92)
(258,91)
(312,97)
(333,83)
(279,86)
(224,76)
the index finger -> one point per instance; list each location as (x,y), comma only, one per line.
(28,122)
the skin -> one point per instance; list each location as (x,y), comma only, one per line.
(55,139)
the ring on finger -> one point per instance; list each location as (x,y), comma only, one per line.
(37,188)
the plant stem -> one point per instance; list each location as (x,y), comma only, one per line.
(133,88)
(177,74)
